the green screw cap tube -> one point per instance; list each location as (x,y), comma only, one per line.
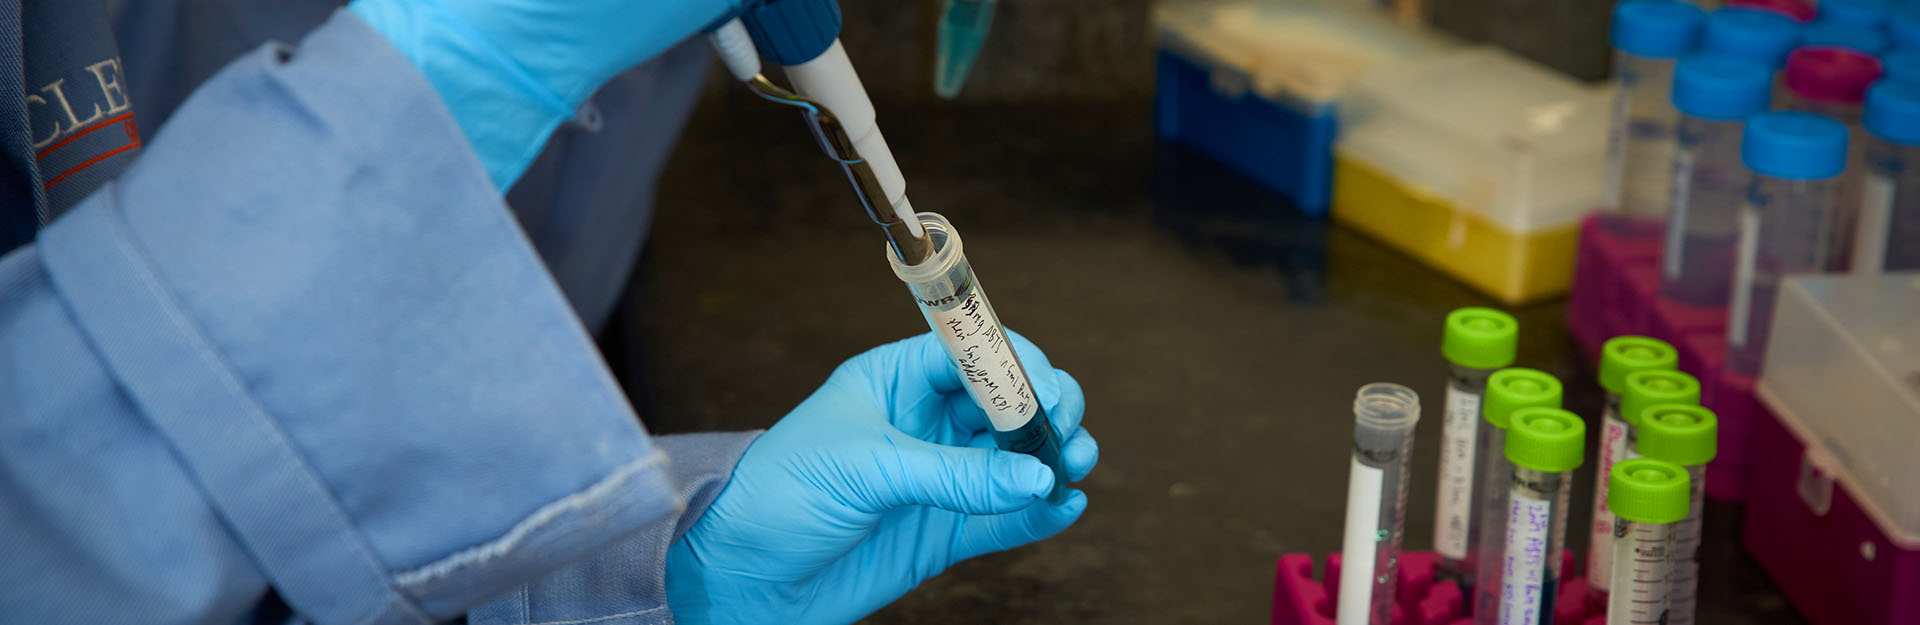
(1481,338)
(1512,389)
(1645,490)
(1546,439)
(1682,434)
(1651,387)
(1622,355)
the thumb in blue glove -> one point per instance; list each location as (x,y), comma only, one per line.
(883,478)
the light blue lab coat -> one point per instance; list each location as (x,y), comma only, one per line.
(300,362)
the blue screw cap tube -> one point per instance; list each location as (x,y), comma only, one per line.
(1785,222)
(1888,236)
(1648,37)
(1765,36)
(1715,95)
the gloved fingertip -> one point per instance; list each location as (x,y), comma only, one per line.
(1034,475)
(1081,454)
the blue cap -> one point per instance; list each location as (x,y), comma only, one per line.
(1857,12)
(1794,145)
(1721,87)
(1905,27)
(791,32)
(1752,33)
(1902,65)
(1655,28)
(1893,111)
(1866,39)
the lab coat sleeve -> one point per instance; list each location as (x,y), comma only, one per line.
(301,343)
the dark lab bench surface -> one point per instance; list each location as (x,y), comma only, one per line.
(1218,335)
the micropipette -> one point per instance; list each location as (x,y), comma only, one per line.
(1545,445)
(1384,415)
(802,36)
(963,29)
(1475,343)
(1647,498)
(1619,356)
(1685,435)
(1508,391)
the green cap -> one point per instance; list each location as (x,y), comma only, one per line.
(1546,439)
(1512,389)
(1682,434)
(1482,338)
(1622,355)
(1656,386)
(1644,490)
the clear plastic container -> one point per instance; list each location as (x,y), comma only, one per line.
(1833,81)
(1715,95)
(1384,417)
(1785,224)
(1293,52)
(1846,353)
(1649,37)
(1888,236)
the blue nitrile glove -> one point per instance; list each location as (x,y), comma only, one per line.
(511,70)
(883,478)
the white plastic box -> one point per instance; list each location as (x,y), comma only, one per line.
(1843,373)
(1479,163)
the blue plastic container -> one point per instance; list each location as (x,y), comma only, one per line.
(1282,146)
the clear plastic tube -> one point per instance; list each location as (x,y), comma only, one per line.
(1843,216)
(1456,521)
(1613,448)
(1708,184)
(1889,233)
(1684,593)
(1384,416)
(1640,149)
(1643,553)
(1536,536)
(957,309)
(1496,480)
(1785,228)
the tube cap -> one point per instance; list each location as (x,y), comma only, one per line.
(1655,28)
(1722,87)
(1644,490)
(1797,10)
(1831,74)
(1904,26)
(1546,439)
(1798,146)
(1682,434)
(1893,109)
(1622,355)
(1757,34)
(1901,65)
(1653,387)
(1870,13)
(1482,338)
(1863,39)
(1509,390)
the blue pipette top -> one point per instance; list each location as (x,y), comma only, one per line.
(1752,33)
(1866,39)
(1794,145)
(1655,28)
(1722,87)
(1893,111)
(1858,12)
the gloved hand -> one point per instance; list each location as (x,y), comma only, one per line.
(883,478)
(512,70)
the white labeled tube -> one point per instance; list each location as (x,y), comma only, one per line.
(1384,416)
(1648,497)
